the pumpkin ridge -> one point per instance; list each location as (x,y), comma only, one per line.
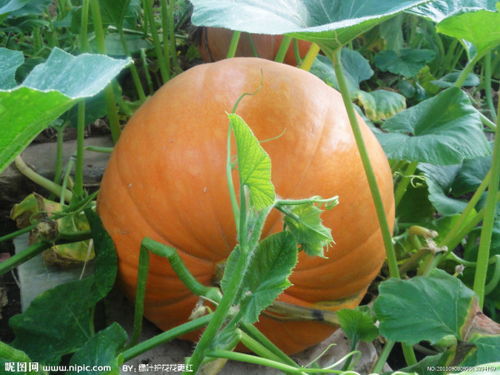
(153,228)
(313,157)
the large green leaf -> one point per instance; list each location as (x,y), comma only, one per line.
(406,62)
(480,28)
(449,184)
(267,274)
(330,23)
(437,10)
(439,179)
(23,8)
(58,321)
(101,350)
(47,92)
(254,164)
(10,60)
(423,308)
(442,130)
(7,6)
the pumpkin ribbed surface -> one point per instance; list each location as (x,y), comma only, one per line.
(166,180)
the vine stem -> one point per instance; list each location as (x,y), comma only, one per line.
(42,181)
(109,94)
(233,46)
(377,369)
(285,44)
(35,249)
(148,9)
(487,85)
(164,337)
(231,291)
(468,69)
(308,60)
(377,198)
(241,357)
(468,209)
(488,222)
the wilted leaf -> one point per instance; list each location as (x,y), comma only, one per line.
(381,104)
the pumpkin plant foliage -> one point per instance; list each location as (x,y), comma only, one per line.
(47,92)
(329,23)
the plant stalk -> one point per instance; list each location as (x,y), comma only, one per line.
(109,94)
(166,337)
(488,222)
(377,198)
(311,55)
(35,249)
(233,46)
(285,44)
(487,86)
(164,71)
(42,181)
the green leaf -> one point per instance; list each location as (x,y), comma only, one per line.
(101,350)
(358,325)
(329,23)
(442,130)
(23,8)
(254,164)
(437,10)
(470,176)
(391,31)
(415,207)
(486,350)
(8,6)
(439,181)
(47,92)
(120,13)
(356,69)
(449,80)
(304,223)
(58,321)
(406,62)
(423,308)
(267,274)
(478,27)
(381,104)
(105,261)
(10,60)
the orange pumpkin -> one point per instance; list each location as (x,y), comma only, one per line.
(166,180)
(214,43)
